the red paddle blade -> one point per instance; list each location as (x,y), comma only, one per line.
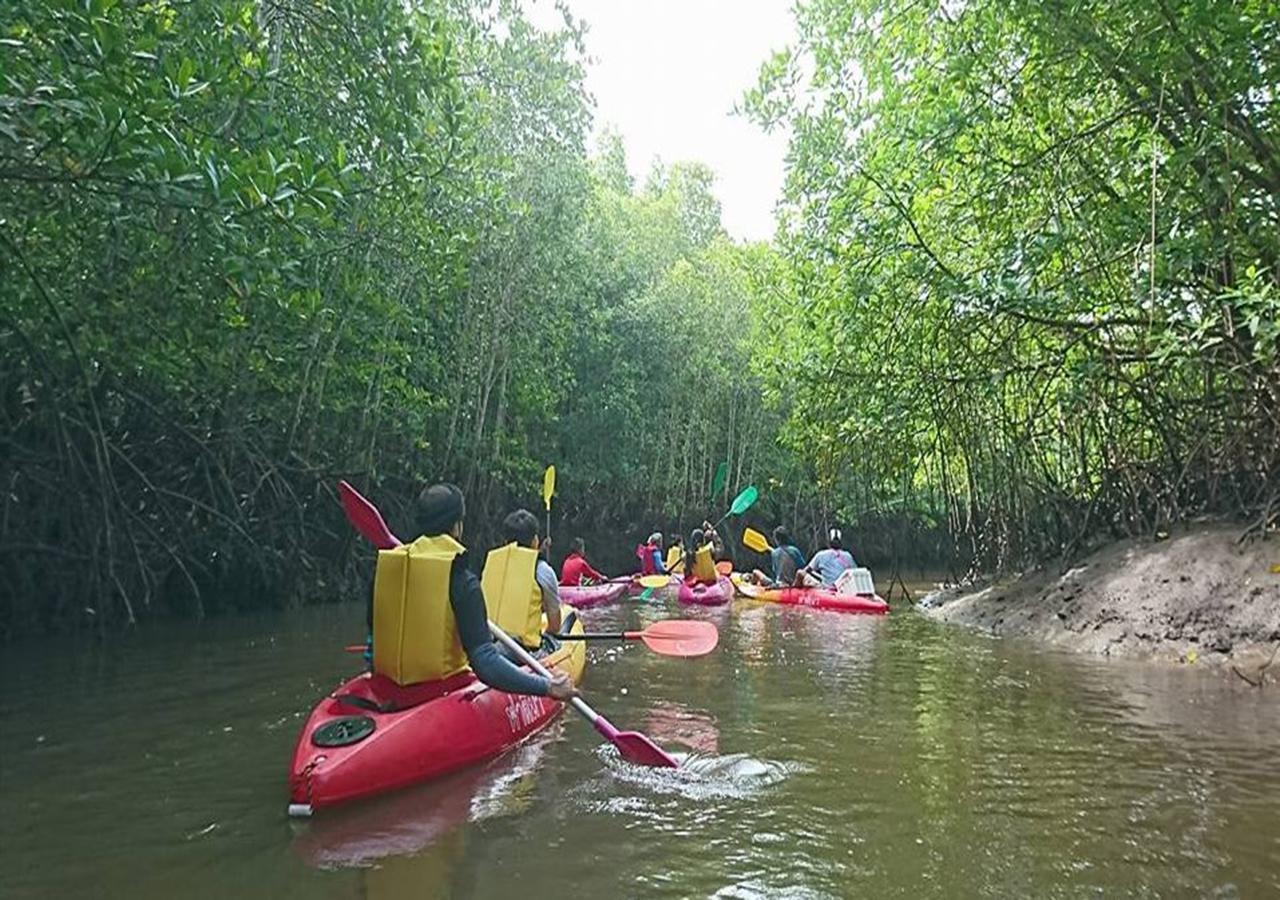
(638,749)
(632,745)
(724,567)
(366,519)
(681,637)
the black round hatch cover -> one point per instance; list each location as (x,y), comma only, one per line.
(342,731)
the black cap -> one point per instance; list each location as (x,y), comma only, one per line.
(439,508)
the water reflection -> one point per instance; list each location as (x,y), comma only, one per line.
(408,821)
(825,755)
(674,723)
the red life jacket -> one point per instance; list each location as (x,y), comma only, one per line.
(645,553)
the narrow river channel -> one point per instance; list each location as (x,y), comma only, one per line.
(827,755)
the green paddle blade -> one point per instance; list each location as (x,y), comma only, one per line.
(717,483)
(743,501)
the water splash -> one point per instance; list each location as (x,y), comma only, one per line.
(735,776)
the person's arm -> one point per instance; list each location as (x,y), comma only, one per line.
(546,578)
(658,566)
(472,620)
(591,572)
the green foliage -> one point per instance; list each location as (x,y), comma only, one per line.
(1026,287)
(250,249)
(1032,262)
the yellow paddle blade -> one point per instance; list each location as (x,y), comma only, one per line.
(755,540)
(548,485)
(655,581)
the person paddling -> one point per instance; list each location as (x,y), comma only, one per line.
(576,570)
(829,564)
(650,555)
(787,560)
(718,549)
(430,576)
(520,586)
(675,556)
(701,564)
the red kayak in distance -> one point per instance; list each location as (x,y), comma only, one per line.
(816,597)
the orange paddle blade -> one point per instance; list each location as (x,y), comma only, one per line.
(679,637)
(724,567)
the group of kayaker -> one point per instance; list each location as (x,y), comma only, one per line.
(448,628)
(789,566)
(827,568)
(432,574)
(697,564)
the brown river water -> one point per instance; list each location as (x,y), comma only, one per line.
(826,755)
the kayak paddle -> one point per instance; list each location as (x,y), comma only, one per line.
(741,503)
(717,482)
(548,489)
(653,581)
(633,746)
(365,517)
(756,541)
(670,637)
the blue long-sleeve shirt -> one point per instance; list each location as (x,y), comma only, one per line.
(658,567)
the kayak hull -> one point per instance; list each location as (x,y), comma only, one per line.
(419,732)
(593,595)
(702,594)
(817,598)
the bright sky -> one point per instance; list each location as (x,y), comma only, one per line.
(667,73)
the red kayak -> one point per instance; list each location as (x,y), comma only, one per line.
(371,735)
(593,594)
(706,594)
(816,597)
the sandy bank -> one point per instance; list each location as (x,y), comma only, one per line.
(1197,596)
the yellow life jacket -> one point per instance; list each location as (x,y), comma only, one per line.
(675,565)
(704,567)
(415,637)
(511,593)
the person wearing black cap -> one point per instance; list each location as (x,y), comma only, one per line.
(440,510)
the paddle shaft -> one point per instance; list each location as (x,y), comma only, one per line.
(597,721)
(602,636)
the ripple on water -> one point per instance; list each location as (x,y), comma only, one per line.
(732,776)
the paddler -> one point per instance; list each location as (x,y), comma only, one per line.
(424,575)
(675,556)
(650,555)
(829,564)
(702,564)
(576,570)
(788,562)
(711,536)
(520,586)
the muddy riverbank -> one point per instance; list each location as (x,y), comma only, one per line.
(1196,596)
